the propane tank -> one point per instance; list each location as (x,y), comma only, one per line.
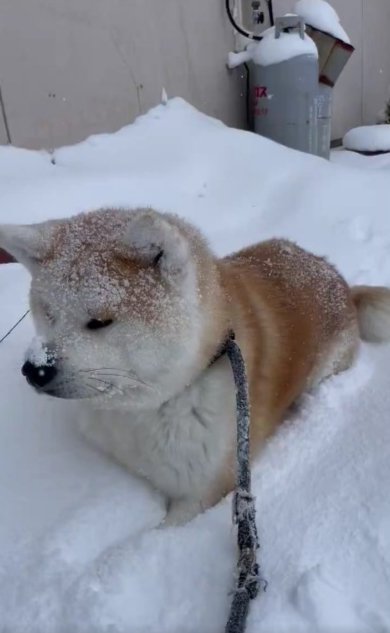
(286,99)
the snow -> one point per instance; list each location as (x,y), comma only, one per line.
(38,354)
(78,549)
(273,51)
(358,161)
(236,59)
(368,138)
(321,15)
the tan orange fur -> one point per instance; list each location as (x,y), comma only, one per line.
(290,311)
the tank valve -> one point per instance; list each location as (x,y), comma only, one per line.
(257,13)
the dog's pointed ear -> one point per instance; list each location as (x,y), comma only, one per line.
(160,242)
(27,243)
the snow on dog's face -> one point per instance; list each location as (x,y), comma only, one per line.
(115,298)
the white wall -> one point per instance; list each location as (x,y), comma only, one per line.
(376,55)
(69,68)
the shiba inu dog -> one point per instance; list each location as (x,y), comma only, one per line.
(131,308)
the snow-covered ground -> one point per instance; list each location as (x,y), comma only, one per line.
(78,551)
(359,161)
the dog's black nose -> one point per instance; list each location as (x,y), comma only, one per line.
(38,375)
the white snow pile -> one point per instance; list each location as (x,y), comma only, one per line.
(321,15)
(375,161)
(368,138)
(271,50)
(78,546)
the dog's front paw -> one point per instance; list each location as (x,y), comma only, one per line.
(181,511)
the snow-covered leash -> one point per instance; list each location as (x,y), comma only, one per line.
(6,258)
(244,512)
(6,335)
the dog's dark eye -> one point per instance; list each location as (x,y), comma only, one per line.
(49,317)
(95,324)
(158,257)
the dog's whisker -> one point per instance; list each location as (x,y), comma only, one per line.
(129,379)
(92,387)
(108,385)
(116,369)
(131,385)
(115,373)
(102,376)
(101,391)
(105,382)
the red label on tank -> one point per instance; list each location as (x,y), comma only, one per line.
(261,92)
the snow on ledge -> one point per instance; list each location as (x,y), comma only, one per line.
(368,138)
(321,15)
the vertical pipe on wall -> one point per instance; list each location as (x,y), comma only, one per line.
(5,120)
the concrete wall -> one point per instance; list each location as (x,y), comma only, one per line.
(70,68)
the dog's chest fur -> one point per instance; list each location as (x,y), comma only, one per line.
(181,447)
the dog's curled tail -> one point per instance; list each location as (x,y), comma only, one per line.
(373,312)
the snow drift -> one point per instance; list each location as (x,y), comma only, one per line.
(78,548)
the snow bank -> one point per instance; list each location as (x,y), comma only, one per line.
(368,138)
(273,51)
(321,15)
(77,548)
(342,156)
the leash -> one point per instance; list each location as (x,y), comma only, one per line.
(14,326)
(244,512)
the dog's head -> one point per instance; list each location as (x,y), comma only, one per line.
(119,304)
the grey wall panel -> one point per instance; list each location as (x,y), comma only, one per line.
(376,57)
(349,90)
(70,68)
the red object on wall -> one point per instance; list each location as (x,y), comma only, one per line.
(6,258)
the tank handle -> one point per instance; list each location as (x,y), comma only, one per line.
(288,23)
